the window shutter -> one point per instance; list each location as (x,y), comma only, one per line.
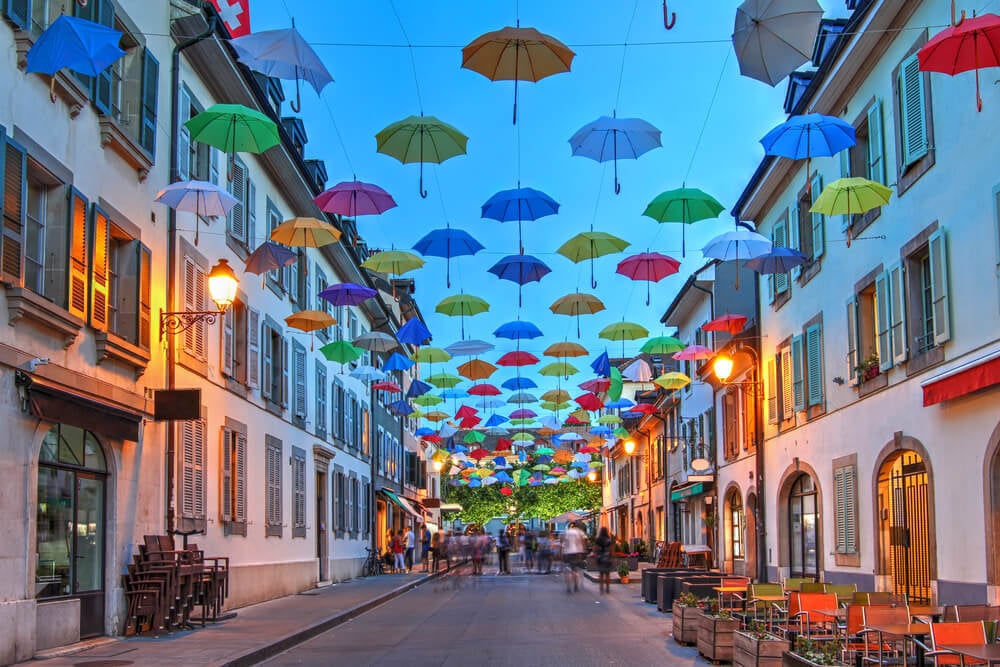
(840,510)
(320,400)
(187,453)
(267,363)
(77,303)
(240,472)
(814,364)
(818,219)
(772,392)
(228,320)
(18,12)
(730,415)
(213,165)
(853,358)
(298,492)
(781,239)
(911,111)
(183,135)
(845,509)
(798,375)
(299,362)
(91,12)
(150,94)
(876,143)
(15,161)
(199,472)
(883,327)
(306,301)
(294,273)
(237,214)
(937,247)
(845,172)
(787,404)
(145,295)
(226,473)
(251,214)
(366,491)
(194,300)
(99,239)
(285,361)
(101,91)
(254,357)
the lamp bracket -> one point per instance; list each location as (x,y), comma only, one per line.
(176,322)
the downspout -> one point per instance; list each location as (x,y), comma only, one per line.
(372,493)
(175,76)
(758,437)
(666,488)
(715,471)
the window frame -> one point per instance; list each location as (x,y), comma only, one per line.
(908,173)
(846,514)
(233,478)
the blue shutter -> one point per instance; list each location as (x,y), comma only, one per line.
(91,12)
(814,364)
(18,12)
(845,172)
(798,379)
(183,135)
(818,219)
(937,248)
(897,313)
(101,91)
(913,120)
(853,354)
(781,239)
(876,143)
(792,236)
(883,317)
(150,95)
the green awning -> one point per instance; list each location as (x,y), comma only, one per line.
(687,491)
(391,495)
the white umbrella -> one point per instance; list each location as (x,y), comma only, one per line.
(446,431)
(773,37)
(376,341)
(638,371)
(552,422)
(367,373)
(468,348)
(198,197)
(738,244)
(283,54)
(496,430)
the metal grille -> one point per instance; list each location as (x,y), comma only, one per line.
(909,533)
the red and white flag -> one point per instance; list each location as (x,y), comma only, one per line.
(235,14)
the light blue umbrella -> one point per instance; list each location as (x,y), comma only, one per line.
(738,244)
(778,260)
(469,348)
(613,139)
(518,330)
(283,54)
(620,403)
(519,204)
(453,392)
(76,44)
(198,197)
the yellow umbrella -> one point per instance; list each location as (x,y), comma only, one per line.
(673,380)
(849,196)
(476,369)
(556,395)
(436,415)
(430,355)
(554,406)
(523,436)
(305,232)
(577,303)
(566,349)
(590,245)
(395,262)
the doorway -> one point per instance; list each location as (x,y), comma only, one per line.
(904,526)
(751,537)
(322,542)
(803,539)
(71,523)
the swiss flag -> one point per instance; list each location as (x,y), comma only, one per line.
(235,14)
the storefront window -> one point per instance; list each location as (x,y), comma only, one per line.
(736,525)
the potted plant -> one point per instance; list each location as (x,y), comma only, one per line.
(811,653)
(686,617)
(868,368)
(623,571)
(755,647)
(715,633)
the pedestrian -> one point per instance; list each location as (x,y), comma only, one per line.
(530,546)
(425,546)
(436,549)
(602,552)
(573,548)
(445,548)
(410,541)
(397,550)
(544,553)
(477,555)
(503,550)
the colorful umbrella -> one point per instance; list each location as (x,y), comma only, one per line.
(577,303)
(735,245)
(447,243)
(443,380)
(310,320)
(417,388)
(397,362)
(589,401)
(522,397)
(430,355)
(490,403)
(341,351)
(421,139)
(639,370)
(779,260)
(732,324)
(401,408)
(520,269)
(354,198)
(76,44)
(672,380)
(305,232)
(199,197)
(684,205)
(387,385)
(517,358)
(554,406)
(559,369)
(623,331)
(393,262)
(518,383)
(283,54)
(270,256)
(413,332)
(602,364)
(462,305)
(518,330)
(773,38)
(436,416)
(519,204)
(484,389)
(848,196)
(808,136)
(649,266)
(523,413)
(613,138)
(376,341)
(234,128)
(556,395)
(347,294)
(694,353)
(469,348)
(662,345)
(590,245)
(970,44)
(565,349)
(427,400)
(476,369)
(367,373)
(595,385)
(518,54)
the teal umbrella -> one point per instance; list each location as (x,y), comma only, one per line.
(683,205)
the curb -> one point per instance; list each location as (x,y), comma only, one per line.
(282,644)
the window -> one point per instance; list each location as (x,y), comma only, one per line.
(195,284)
(299,396)
(380,451)
(340,501)
(298,492)
(845,509)
(731,422)
(807,231)
(320,401)
(191,481)
(194,158)
(366,493)
(736,525)
(272,491)
(276,278)
(778,285)
(120,280)
(42,14)
(914,125)
(348,432)
(365,435)
(925,274)
(866,159)
(354,506)
(337,419)
(412,468)
(241,222)
(233,481)
(274,364)
(238,359)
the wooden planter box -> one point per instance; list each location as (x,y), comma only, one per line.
(685,624)
(715,637)
(751,652)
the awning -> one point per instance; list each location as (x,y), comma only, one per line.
(412,506)
(688,490)
(53,403)
(978,374)
(391,495)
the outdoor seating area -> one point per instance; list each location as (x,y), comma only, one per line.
(168,588)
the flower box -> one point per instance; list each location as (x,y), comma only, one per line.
(751,651)
(715,637)
(685,623)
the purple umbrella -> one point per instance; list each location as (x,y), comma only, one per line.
(269,256)
(523,413)
(347,294)
(352,198)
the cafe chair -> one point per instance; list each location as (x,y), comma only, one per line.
(876,649)
(959,632)
(844,592)
(795,583)
(807,616)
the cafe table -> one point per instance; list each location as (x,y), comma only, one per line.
(988,653)
(730,591)
(906,631)
(770,601)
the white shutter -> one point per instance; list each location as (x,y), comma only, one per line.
(267,363)
(883,327)
(194,300)
(853,356)
(240,472)
(937,248)
(227,341)
(226,476)
(253,359)
(299,361)
(237,214)
(251,214)
(285,361)
(186,486)
(818,220)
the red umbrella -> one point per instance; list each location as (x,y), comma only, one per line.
(731,323)
(469,422)
(649,266)
(587,449)
(504,444)
(466,411)
(479,453)
(644,408)
(432,438)
(572,420)
(589,401)
(484,389)
(971,44)
(517,358)
(597,385)
(387,385)
(506,490)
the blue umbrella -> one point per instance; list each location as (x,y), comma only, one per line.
(269,256)
(468,348)
(283,54)
(495,420)
(502,476)
(518,330)
(601,430)
(397,362)
(453,392)
(808,136)
(519,204)
(76,44)
(779,260)
(401,407)
(347,294)
(447,243)
(413,332)
(617,405)
(520,269)
(613,138)
(602,365)
(418,388)
(424,430)
(518,383)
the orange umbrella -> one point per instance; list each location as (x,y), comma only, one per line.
(310,320)
(305,232)
(566,349)
(476,369)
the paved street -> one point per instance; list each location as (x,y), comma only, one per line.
(511,620)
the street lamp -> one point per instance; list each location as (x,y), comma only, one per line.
(438,465)
(592,476)
(629,446)
(222,284)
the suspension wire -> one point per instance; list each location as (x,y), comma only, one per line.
(708,115)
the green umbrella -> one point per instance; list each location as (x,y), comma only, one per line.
(341,351)
(623,331)
(234,128)
(545,451)
(615,390)
(462,305)
(662,345)
(395,262)
(444,380)
(421,139)
(527,421)
(430,355)
(849,196)
(474,436)
(589,245)
(618,433)
(683,205)
(427,400)
(554,407)
(523,436)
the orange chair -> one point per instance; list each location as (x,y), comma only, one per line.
(856,640)
(881,614)
(807,617)
(962,632)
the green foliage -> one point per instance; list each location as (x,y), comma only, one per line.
(623,568)
(819,652)
(480,504)
(688,600)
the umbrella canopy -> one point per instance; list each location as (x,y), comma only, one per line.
(305,232)
(518,54)
(421,139)
(576,304)
(376,341)
(417,388)
(590,245)
(462,305)
(736,245)
(234,128)
(684,205)
(602,364)
(393,262)
(341,351)
(430,355)
(773,37)
(476,369)
(413,332)
(559,369)
(347,294)
(779,260)
(397,362)
(589,401)
(565,349)
(198,197)
(310,320)
(623,331)
(613,139)
(523,413)
(283,54)
(270,256)
(443,380)
(517,383)
(694,353)
(673,380)
(490,403)
(518,330)
(556,395)
(522,397)
(639,370)
(972,44)
(447,243)
(808,136)
(468,348)
(595,385)
(354,198)
(731,324)
(517,358)
(662,345)
(484,389)
(849,196)
(367,373)
(436,416)
(519,204)
(401,408)
(553,405)
(76,44)
(649,266)
(427,400)
(387,385)
(520,269)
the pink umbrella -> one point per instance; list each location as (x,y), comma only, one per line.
(353,198)
(694,353)
(597,385)
(649,266)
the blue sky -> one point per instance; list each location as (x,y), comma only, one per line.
(670,85)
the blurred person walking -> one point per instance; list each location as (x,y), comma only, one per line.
(425,546)
(436,550)
(530,546)
(397,551)
(410,540)
(602,551)
(503,551)
(574,549)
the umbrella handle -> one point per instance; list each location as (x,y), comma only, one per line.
(668,23)
(647,292)
(961,18)
(614,137)
(515,91)
(297,104)
(52,89)
(423,193)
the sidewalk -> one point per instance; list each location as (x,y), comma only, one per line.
(257,633)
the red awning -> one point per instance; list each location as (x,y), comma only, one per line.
(960,382)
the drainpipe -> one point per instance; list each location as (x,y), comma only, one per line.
(666,488)
(758,437)
(175,76)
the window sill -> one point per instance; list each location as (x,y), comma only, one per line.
(860,223)
(192,363)
(877,383)
(809,271)
(274,408)
(23,303)
(115,137)
(781,299)
(847,560)
(235,528)
(236,387)
(909,175)
(922,362)
(110,346)
(272,531)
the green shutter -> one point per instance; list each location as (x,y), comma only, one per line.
(853,356)
(150,94)
(883,324)
(913,121)
(145,295)
(876,143)
(780,239)
(101,91)
(937,248)
(897,312)
(818,219)
(792,239)
(18,12)
(814,364)
(798,379)
(845,172)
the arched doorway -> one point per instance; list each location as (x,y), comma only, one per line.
(993,520)
(904,525)
(70,523)
(803,538)
(751,536)
(735,541)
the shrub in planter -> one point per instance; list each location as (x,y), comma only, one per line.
(756,648)
(715,634)
(623,571)
(686,616)
(809,653)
